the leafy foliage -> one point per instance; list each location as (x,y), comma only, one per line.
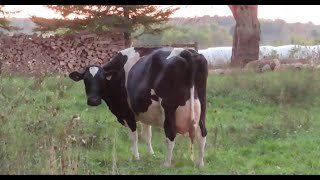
(4,22)
(218,31)
(97,18)
(206,35)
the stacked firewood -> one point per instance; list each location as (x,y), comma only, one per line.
(32,54)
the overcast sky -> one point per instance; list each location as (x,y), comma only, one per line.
(289,13)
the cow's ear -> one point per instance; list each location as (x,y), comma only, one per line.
(110,74)
(76,76)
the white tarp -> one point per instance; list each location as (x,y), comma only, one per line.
(216,55)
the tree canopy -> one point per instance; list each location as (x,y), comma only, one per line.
(98,18)
(4,22)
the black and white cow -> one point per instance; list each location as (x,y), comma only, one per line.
(159,87)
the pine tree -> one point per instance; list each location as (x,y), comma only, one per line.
(4,22)
(135,20)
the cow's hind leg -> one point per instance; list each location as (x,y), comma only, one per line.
(201,141)
(192,132)
(201,86)
(147,136)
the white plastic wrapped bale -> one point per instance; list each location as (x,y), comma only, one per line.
(218,55)
(290,51)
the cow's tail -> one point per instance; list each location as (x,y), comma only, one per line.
(192,115)
(191,73)
(193,122)
(192,105)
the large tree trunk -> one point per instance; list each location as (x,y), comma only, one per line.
(246,36)
(127,38)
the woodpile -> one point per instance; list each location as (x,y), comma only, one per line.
(32,54)
(263,65)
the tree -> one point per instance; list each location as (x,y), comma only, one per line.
(301,40)
(246,36)
(4,22)
(98,18)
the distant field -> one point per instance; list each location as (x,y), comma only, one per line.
(257,124)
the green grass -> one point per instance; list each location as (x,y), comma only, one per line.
(257,124)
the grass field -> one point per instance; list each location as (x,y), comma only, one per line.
(257,124)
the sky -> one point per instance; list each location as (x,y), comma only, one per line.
(289,13)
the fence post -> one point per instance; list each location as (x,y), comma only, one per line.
(196,46)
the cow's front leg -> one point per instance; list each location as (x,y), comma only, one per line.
(133,137)
(147,136)
(170,146)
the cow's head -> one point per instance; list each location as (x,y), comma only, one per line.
(95,81)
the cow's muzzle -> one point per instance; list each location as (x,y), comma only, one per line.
(94,101)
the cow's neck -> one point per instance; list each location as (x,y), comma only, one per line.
(116,97)
(112,94)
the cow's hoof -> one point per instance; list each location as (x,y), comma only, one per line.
(151,152)
(137,157)
(192,157)
(166,164)
(200,163)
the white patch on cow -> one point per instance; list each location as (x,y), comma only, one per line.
(170,146)
(147,136)
(192,104)
(152,92)
(93,70)
(109,77)
(128,51)
(193,123)
(163,117)
(201,144)
(153,115)
(133,137)
(175,52)
(183,116)
(133,58)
